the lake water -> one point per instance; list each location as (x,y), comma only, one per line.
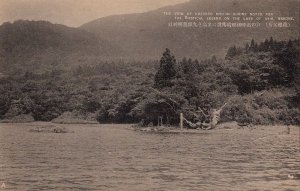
(112,157)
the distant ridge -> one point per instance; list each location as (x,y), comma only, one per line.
(41,45)
(145,35)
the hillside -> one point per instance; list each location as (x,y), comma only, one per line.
(145,35)
(40,45)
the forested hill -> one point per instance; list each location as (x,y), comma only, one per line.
(51,71)
(40,46)
(143,36)
(258,81)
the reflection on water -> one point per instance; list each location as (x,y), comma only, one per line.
(111,157)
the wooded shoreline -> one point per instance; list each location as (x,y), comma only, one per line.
(259,82)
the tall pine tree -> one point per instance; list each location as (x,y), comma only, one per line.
(166,72)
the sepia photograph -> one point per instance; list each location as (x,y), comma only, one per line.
(150,95)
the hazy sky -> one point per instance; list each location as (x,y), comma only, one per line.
(74,12)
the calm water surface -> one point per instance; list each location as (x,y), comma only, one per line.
(111,157)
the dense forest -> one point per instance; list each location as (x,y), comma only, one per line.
(259,82)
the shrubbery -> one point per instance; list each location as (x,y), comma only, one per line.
(256,81)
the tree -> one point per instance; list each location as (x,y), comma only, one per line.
(160,104)
(232,52)
(166,72)
(253,46)
(247,46)
(184,65)
(287,59)
(271,44)
(4,104)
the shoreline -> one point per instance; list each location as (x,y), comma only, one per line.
(221,126)
(49,127)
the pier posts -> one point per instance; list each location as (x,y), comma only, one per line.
(181,121)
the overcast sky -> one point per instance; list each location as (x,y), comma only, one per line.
(74,12)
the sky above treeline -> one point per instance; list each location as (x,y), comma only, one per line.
(74,12)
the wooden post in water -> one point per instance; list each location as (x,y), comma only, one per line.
(160,121)
(181,121)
